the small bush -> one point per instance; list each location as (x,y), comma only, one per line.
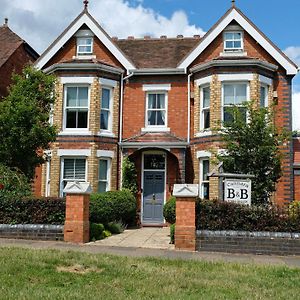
(170,210)
(217,215)
(96,231)
(115,227)
(32,210)
(172,234)
(111,206)
(106,233)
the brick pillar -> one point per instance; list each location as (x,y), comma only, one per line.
(77,225)
(185,228)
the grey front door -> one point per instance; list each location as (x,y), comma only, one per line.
(153,196)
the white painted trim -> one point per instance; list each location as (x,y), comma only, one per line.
(84,57)
(156,87)
(265,80)
(108,82)
(108,173)
(236,77)
(235,15)
(72,131)
(201,181)
(155,129)
(74,152)
(106,133)
(75,79)
(85,19)
(105,153)
(203,133)
(203,154)
(204,80)
(48,178)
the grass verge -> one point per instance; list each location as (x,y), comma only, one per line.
(52,274)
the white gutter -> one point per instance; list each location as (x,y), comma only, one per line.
(189,107)
(121,104)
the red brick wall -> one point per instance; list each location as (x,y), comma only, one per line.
(69,50)
(135,105)
(15,63)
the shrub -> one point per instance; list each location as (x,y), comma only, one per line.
(32,210)
(115,227)
(96,231)
(170,210)
(112,206)
(217,215)
(13,183)
(172,234)
(129,176)
(105,234)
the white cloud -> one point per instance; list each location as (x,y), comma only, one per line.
(40,22)
(293,53)
(296,111)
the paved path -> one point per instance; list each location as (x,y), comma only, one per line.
(291,261)
(146,237)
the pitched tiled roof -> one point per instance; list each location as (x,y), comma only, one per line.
(157,53)
(9,43)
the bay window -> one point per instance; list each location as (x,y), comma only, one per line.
(204,180)
(204,108)
(104,175)
(234,94)
(106,109)
(264,95)
(76,107)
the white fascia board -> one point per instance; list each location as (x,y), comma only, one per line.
(105,153)
(74,79)
(99,33)
(235,15)
(203,153)
(108,82)
(74,152)
(156,87)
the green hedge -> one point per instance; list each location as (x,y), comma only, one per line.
(170,210)
(217,215)
(113,206)
(32,210)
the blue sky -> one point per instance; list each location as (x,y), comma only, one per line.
(39,22)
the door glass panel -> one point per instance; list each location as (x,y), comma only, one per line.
(154,162)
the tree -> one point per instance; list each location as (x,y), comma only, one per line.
(129,176)
(253,148)
(24,121)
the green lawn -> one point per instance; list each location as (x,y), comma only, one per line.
(50,274)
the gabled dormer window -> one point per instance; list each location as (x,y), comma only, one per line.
(84,46)
(233,41)
(84,43)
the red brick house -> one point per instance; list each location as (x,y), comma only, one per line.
(15,53)
(156,100)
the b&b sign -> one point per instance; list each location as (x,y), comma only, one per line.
(237,190)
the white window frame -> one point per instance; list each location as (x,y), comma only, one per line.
(157,127)
(233,49)
(110,110)
(66,86)
(223,94)
(202,109)
(201,181)
(108,173)
(266,98)
(62,170)
(79,40)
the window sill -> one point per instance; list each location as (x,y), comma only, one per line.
(204,133)
(74,132)
(155,129)
(106,133)
(88,56)
(233,53)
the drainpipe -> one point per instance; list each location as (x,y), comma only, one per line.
(121,104)
(189,107)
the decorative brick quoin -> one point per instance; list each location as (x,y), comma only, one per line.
(156,100)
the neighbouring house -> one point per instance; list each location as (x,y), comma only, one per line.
(15,53)
(296,166)
(156,101)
